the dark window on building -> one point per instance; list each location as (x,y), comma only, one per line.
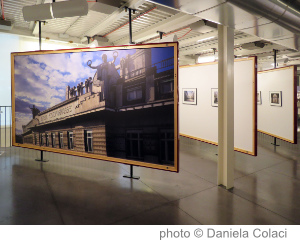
(134,144)
(61,140)
(134,93)
(88,140)
(42,139)
(70,140)
(167,146)
(35,139)
(47,139)
(167,87)
(53,140)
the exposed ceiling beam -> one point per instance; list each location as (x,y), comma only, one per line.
(176,21)
(114,17)
(245,52)
(194,40)
(206,46)
(50,36)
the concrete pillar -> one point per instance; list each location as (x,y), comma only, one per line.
(226,106)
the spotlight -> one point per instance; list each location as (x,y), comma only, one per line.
(55,10)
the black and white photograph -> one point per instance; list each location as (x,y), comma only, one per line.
(214,97)
(189,96)
(275,98)
(116,103)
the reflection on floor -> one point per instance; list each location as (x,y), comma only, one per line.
(73,190)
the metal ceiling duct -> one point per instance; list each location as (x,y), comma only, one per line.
(273,20)
(55,10)
(285,13)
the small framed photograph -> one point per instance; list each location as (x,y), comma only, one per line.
(189,96)
(275,99)
(258,97)
(214,97)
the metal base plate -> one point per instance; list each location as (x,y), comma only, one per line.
(275,144)
(41,160)
(133,177)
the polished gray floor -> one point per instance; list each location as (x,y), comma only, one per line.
(73,190)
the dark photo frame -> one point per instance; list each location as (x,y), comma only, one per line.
(214,97)
(189,96)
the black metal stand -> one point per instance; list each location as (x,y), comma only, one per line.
(40,35)
(160,34)
(275,142)
(130,10)
(275,57)
(131,174)
(130,28)
(42,158)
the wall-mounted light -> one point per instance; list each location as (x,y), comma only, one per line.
(55,10)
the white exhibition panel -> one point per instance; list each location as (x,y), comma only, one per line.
(277,121)
(201,121)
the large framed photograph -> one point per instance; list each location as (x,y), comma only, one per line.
(275,98)
(115,103)
(189,96)
(214,97)
(258,98)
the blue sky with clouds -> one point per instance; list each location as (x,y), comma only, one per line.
(41,80)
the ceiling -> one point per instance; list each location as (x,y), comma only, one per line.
(196,37)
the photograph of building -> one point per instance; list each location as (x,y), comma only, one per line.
(125,110)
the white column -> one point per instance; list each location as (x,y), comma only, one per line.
(226,106)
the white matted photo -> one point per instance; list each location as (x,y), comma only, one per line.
(275,98)
(258,97)
(214,97)
(189,96)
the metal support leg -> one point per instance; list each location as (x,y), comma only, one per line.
(130,27)
(275,142)
(42,157)
(131,174)
(40,35)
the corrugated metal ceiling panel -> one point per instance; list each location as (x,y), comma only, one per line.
(13,12)
(151,16)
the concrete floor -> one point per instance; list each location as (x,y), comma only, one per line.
(73,190)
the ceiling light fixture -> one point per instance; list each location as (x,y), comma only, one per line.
(208,38)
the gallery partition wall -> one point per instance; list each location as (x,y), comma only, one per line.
(115,103)
(198,103)
(277,103)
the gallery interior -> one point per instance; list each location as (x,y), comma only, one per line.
(238,153)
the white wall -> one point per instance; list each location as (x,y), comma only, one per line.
(201,121)
(8,43)
(275,120)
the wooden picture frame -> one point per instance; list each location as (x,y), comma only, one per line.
(98,103)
